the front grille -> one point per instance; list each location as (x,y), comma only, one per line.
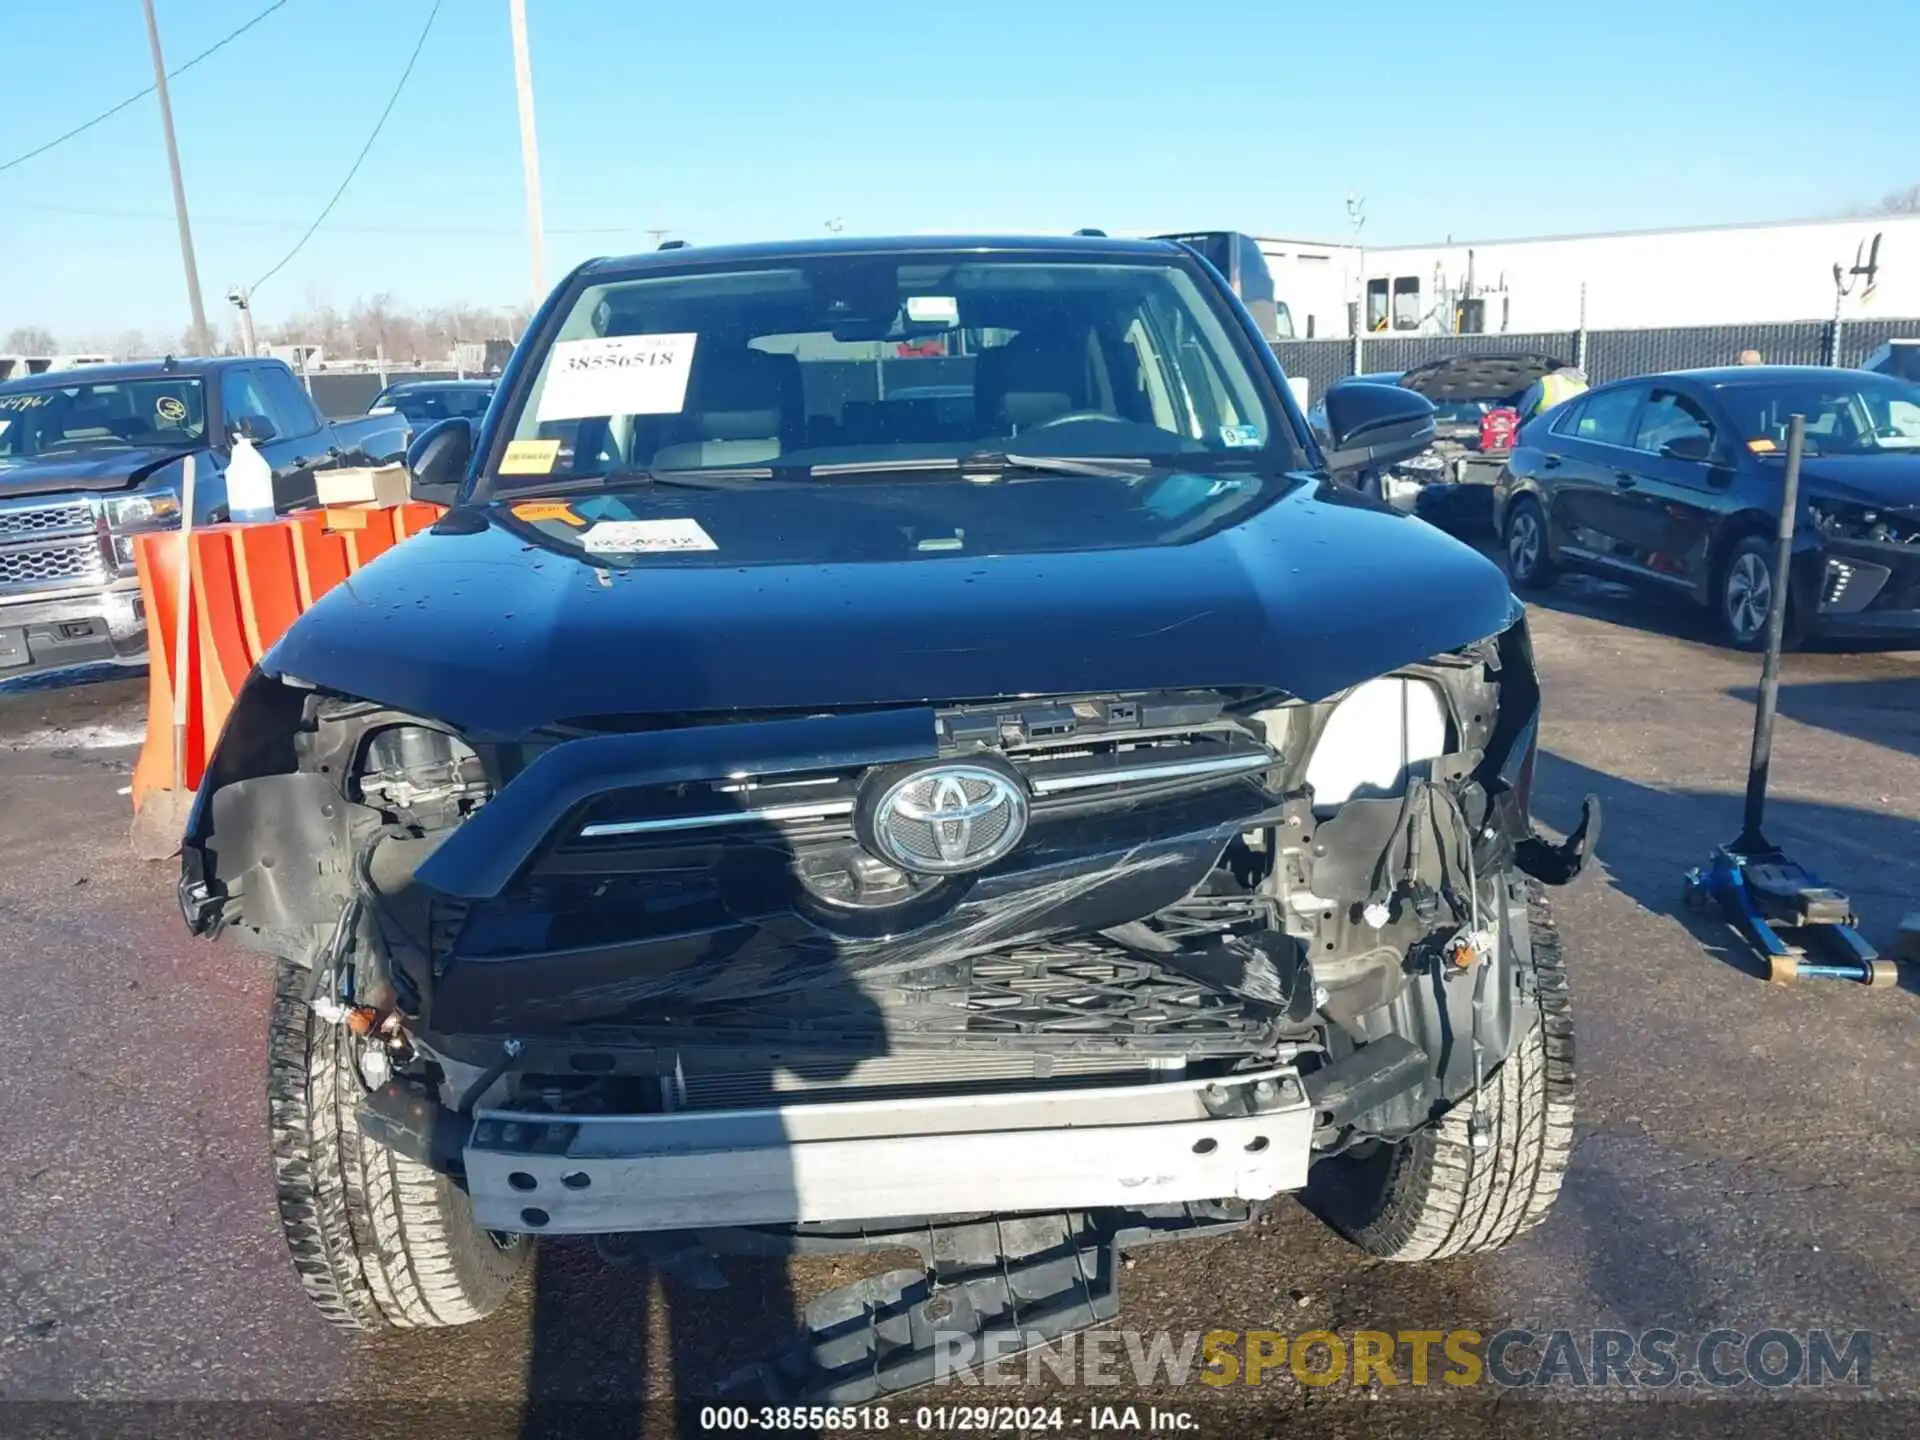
(45,565)
(1079,753)
(33,522)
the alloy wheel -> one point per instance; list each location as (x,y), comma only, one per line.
(1749,596)
(1523,545)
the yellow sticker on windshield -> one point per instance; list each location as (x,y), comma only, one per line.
(1761,446)
(533,510)
(530,457)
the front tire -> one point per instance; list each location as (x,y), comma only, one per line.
(378,1240)
(1747,592)
(1433,1195)
(1529,564)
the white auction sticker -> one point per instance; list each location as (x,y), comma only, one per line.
(620,375)
(647,537)
(933,309)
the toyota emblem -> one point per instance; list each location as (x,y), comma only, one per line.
(948,819)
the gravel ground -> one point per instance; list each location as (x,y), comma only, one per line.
(1746,1158)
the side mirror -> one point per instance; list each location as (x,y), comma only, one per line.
(257,428)
(1697,448)
(1374,425)
(437,461)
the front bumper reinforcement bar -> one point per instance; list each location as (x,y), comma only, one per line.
(1244,1137)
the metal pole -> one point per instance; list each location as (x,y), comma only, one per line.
(200,343)
(1580,339)
(1358,324)
(1750,839)
(529,145)
(243,301)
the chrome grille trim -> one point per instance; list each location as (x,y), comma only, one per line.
(1211,768)
(820,810)
(52,542)
(72,562)
(41,519)
(1141,774)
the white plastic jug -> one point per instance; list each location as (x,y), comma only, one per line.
(249,484)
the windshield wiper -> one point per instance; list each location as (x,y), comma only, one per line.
(1099,467)
(1002,462)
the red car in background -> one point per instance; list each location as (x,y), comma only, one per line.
(1476,423)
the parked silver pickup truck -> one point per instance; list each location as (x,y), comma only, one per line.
(90,457)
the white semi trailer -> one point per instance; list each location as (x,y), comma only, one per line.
(1711,275)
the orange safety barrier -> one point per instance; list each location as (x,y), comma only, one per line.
(247,585)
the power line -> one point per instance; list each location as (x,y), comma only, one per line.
(238,222)
(378,125)
(137,97)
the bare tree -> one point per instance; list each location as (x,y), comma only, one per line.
(30,340)
(377,324)
(1904,201)
(1900,202)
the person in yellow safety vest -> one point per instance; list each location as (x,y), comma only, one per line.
(1551,389)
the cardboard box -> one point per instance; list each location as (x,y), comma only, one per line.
(360,485)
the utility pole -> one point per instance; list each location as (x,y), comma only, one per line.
(529,145)
(200,342)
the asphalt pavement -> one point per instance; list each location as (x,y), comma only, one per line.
(1746,1155)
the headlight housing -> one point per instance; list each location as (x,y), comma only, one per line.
(1377,736)
(153,510)
(422,776)
(1844,520)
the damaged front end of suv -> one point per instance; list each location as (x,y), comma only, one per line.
(895,936)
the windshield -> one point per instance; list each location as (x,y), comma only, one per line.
(862,362)
(166,411)
(425,406)
(1851,413)
(1460,412)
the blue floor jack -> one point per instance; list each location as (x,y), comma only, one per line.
(1803,927)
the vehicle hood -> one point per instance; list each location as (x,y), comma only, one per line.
(1891,479)
(484,624)
(103,470)
(1478,377)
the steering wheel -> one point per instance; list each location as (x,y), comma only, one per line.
(1888,432)
(1072,415)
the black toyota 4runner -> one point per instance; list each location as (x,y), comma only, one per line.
(891,730)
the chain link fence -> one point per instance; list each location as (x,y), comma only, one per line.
(342,394)
(1604,354)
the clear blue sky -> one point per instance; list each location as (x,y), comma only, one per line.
(733,119)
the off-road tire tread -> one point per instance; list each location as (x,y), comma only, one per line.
(378,1240)
(1443,1198)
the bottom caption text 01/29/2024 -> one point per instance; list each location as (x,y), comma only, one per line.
(949,1419)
